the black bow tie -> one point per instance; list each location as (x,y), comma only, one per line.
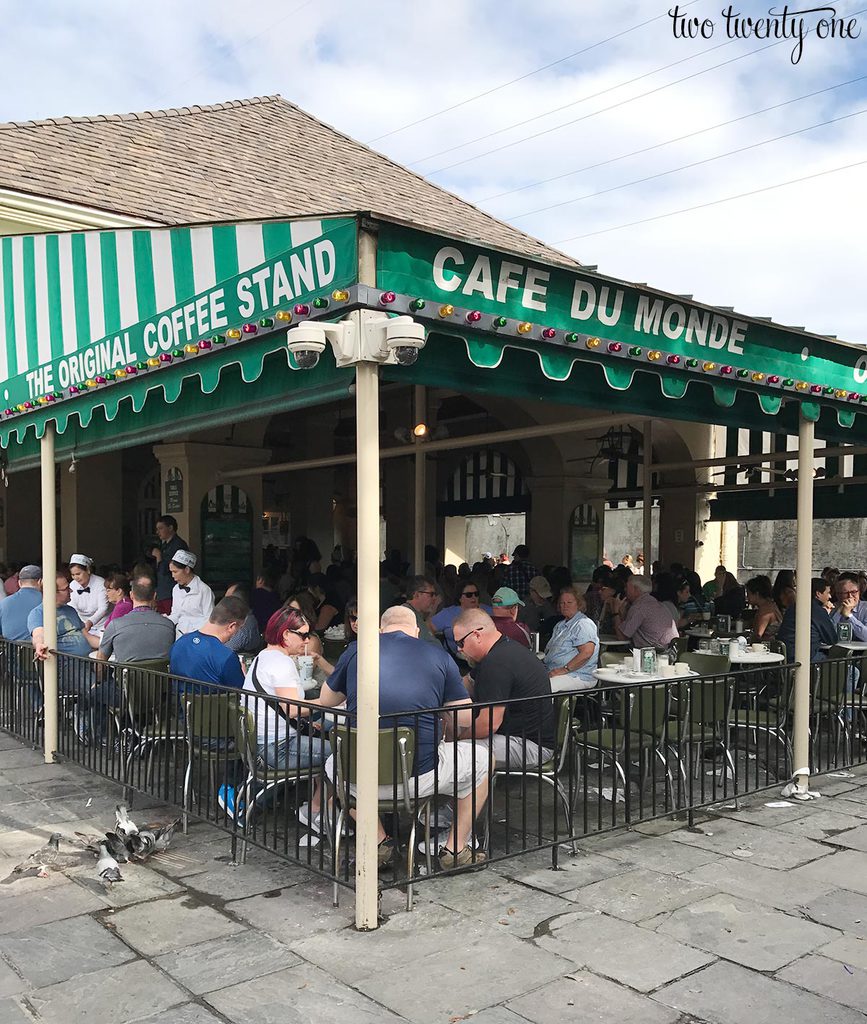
(185,589)
(84,590)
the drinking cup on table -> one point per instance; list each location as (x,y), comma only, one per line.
(758,648)
(681,668)
(705,616)
(668,670)
(305,668)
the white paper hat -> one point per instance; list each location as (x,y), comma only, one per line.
(186,558)
(82,560)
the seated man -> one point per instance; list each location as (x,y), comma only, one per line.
(823,632)
(142,634)
(521,734)
(415,675)
(849,607)
(640,618)
(73,675)
(504,608)
(203,654)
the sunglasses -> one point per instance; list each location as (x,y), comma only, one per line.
(297,632)
(460,643)
(470,593)
(353,618)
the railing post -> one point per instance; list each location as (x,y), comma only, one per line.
(804,570)
(49,587)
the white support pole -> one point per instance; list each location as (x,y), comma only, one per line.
(49,587)
(804,570)
(420,414)
(647,495)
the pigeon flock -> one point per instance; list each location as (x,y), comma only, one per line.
(126,843)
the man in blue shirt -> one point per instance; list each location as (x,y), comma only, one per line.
(848,608)
(16,608)
(414,676)
(73,676)
(203,654)
(823,632)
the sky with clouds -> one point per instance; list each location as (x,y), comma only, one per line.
(584,123)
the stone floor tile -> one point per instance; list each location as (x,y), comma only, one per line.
(117,995)
(297,913)
(170,924)
(841,909)
(10,982)
(638,895)
(784,890)
(139,884)
(17,756)
(498,1015)
(189,1013)
(656,854)
(768,849)
(37,771)
(585,997)
(636,957)
(852,839)
(11,1012)
(298,995)
(17,885)
(472,974)
(745,932)
(494,900)
(849,806)
(51,953)
(574,871)
(754,812)
(838,982)
(725,993)
(846,869)
(220,963)
(39,907)
(822,825)
(848,949)
(235,882)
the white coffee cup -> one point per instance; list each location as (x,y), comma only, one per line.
(681,668)
(305,667)
(758,648)
(668,670)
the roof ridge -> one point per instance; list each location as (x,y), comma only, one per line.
(144,115)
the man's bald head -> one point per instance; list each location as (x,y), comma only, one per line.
(399,620)
(473,618)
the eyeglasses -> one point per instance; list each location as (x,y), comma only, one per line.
(470,593)
(304,636)
(460,643)
(62,590)
(850,593)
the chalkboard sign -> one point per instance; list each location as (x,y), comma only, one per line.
(174,490)
(227,538)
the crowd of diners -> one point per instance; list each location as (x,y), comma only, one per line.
(455,636)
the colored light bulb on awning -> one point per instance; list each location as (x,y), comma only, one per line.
(320,303)
(233,333)
(249,328)
(416,304)
(90,383)
(165,357)
(387,298)
(191,350)
(725,371)
(708,367)
(178,353)
(153,362)
(473,316)
(266,322)
(340,295)
(743,374)
(302,309)
(815,389)
(773,379)
(119,374)
(205,344)
(692,363)
(284,316)
(593,343)
(499,321)
(614,346)
(74,390)
(446,310)
(548,333)
(654,355)
(635,351)
(758,377)
(673,360)
(524,327)
(802,385)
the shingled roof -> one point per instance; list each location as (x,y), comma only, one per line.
(242,160)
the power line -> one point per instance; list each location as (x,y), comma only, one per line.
(668,142)
(686,167)
(520,78)
(714,202)
(574,103)
(603,110)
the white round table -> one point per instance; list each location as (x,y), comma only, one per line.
(611,675)
(742,657)
(852,645)
(612,641)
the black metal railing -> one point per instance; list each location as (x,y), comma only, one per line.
(455,790)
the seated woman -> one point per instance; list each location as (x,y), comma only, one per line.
(350,631)
(272,673)
(689,608)
(573,650)
(117,591)
(732,601)
(768,615)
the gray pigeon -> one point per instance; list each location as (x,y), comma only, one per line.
(125,827)
(107,867)
(116,847)
(142,844)
(163,835)
(44,860)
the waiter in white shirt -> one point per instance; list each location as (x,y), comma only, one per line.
(87,593)
(192,599)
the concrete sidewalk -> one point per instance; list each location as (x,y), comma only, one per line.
(757,916)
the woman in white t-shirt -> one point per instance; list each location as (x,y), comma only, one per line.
(272,673)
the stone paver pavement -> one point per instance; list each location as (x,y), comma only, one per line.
(756,915)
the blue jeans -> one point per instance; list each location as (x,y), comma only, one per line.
(296,751)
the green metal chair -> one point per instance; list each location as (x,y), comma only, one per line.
(704,712)
(553,770)
(148,715)
(831,700)
(772,717)
(707,664)
(211,724)
(396,757)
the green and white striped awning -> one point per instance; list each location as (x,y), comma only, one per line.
(90,310)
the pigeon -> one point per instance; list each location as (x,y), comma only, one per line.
(163,835)
(116,847)
(46,859)
(125,827)
(142,844)
(107,867)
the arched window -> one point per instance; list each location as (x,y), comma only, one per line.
(485,482)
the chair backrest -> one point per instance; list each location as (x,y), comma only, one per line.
(396,748)
(245,740)
(831,677)
(148,697)
(645,708)
(211,716)
(707,664)
(681,645)
(705,701)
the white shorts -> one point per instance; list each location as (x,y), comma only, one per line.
(571,682)
(518,749)
(473,764)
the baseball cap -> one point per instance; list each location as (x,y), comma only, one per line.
(505,597)
(30,572)
(186,558)
(541,586)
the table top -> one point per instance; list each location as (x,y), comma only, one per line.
(741,657)
(852,645)
(612,641)
(699,631)
(611,675)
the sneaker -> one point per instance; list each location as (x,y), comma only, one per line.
(314,822)
(438,839)
(226,800)
(465,858)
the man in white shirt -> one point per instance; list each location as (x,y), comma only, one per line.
(192,599)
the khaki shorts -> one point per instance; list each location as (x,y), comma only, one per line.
(473,763)
(521,753)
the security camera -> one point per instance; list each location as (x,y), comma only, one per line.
(306,342)
(403,338)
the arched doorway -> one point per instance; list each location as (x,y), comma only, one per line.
(227,537)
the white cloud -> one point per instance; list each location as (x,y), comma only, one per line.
(795,253)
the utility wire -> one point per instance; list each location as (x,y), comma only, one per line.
(574,103)
(668,142)
(602,110)
(520,78)
(714,202)
(686,167)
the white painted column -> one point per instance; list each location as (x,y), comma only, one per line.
(420,414)
(49,586)
(647,487)
(804,570)
(367,498)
